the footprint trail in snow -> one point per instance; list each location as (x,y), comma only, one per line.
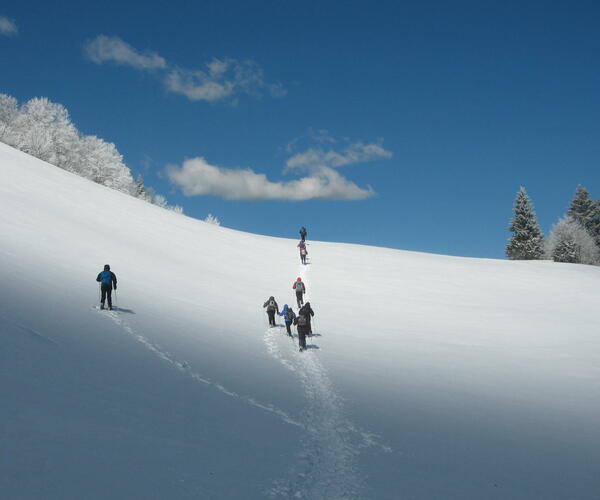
(326,468)
(184,367)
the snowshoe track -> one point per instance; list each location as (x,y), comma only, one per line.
(325,467)
(184,367)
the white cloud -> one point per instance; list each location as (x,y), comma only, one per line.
(357,152)
(222,79)
(198,85)
(197,177)
(218,67)
(111,48)
(319,136)
(8,27)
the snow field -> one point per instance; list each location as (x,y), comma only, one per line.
(433,377)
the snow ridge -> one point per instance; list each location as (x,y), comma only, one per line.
(184,367)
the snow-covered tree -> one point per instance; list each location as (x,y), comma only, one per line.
(586,211)
(582,207)
(526,243)
(102,163)
(594,224)
(9,110)
(211,219)
(43,129)
(570,242)
(140,189)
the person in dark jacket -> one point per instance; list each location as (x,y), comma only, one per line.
(288,316)
(303,233)
(300,289)
(307,311)
(108,281)
(303,326)
(272,308)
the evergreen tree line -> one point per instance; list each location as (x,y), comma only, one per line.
(575,238)
(44,129)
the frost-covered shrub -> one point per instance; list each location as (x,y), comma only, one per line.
(159,200)
(211,219)
(570,242)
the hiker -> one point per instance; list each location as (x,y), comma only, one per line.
(108,281)
(302,324)
(288,315)
(300,291)
(272,308)
(303,233)
(307,311)
(303,251)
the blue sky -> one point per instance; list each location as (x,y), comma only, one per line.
(408,125)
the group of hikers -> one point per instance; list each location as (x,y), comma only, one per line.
(108,283)
(303,320)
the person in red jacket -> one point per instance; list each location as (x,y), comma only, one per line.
(300,291)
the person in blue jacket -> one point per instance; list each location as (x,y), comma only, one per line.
(108,281)
(288,316)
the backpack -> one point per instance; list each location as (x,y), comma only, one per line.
(299,286)
(106,277)
(302,321)
(272,305)
(289,315)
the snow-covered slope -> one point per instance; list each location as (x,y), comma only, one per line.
(429,376)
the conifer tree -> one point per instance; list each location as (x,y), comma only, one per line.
(526,243)
(566,251)
(140,189)
(582,207)
(594,229)
(586,212)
